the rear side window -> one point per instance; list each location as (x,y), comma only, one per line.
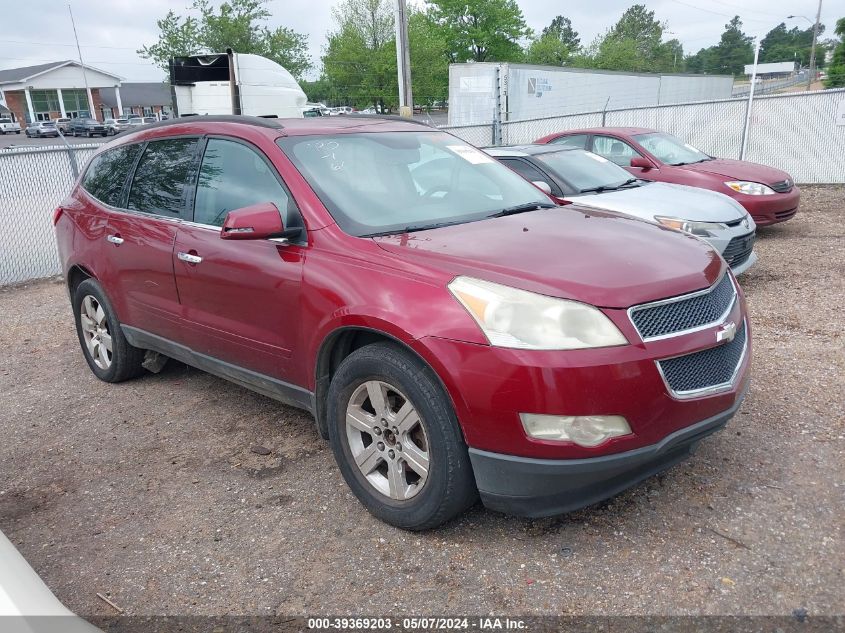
(576,140)
(234,176)
(107,174)
(161,178)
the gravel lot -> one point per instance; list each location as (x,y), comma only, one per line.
(149,493)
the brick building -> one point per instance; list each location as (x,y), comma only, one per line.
(53,90)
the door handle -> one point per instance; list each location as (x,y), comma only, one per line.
(115,239)
(187,257)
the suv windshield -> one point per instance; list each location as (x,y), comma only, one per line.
(392,182)
(670,149)
(584,170)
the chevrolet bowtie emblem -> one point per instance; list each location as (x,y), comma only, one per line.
(726,333)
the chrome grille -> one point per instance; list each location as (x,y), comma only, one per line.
(688,312)
(709,369)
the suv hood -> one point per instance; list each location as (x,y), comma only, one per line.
(739,170)
(658,198)
(597,257)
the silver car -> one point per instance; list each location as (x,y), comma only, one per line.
(575,175)
(41,129)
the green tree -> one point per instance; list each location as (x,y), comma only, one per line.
(359,65)
(782,45)
(556,45)
(480,30)
(635,44)
(236,24)
(730,55)
(836,70)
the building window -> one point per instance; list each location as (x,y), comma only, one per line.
(76,102)
(44,102)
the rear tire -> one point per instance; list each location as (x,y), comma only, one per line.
(415,471)
(106,350)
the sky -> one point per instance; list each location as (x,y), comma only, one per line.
(110,32)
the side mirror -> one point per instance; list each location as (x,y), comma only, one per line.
(543,186)
(641,162)
(257,222)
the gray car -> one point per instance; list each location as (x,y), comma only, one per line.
(41,129)
(575,175)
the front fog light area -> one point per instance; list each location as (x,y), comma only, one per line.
(584,430)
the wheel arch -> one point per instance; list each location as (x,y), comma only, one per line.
(339,344)
(76,274)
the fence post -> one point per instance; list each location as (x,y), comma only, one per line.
(604,112)
(497,113)
(71,156)
(747,127)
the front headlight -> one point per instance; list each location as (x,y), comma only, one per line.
(750,188)
(701,229)
(515,318)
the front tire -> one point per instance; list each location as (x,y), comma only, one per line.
(396,438)
(106,350)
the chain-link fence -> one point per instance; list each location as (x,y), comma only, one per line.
(33,181)
(802,133)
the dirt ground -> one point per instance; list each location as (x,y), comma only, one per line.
(149,493)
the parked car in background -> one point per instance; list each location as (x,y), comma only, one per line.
(453,331)
(768,194)
(26,603)
(62,124)
(150,119)
(40,129)
(7,126)
(575,175)
(113,126)
(84,126)
(137,121)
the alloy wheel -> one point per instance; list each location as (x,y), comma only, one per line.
(95,331)
(388,440)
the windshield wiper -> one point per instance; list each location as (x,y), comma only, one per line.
(692,162)
(603,188)
(522,208)
(414,227)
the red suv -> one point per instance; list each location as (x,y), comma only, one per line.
(768,194)
(451,330)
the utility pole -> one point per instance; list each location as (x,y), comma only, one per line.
(403,61)
(813,49)
(91,112)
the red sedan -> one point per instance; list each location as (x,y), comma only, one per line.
(768,194)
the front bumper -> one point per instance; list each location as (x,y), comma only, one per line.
(544,487)
(768,210)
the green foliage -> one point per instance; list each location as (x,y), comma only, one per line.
(236,24)
(729,56)
(480,30)
(782,45)
(836,70)
(635,44)
(556,45)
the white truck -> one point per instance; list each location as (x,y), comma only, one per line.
(7,126)
(234,83)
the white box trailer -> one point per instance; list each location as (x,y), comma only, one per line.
(234,83)
(771,68)
(530,92)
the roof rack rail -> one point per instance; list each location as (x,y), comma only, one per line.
(220,118)
(387,117)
